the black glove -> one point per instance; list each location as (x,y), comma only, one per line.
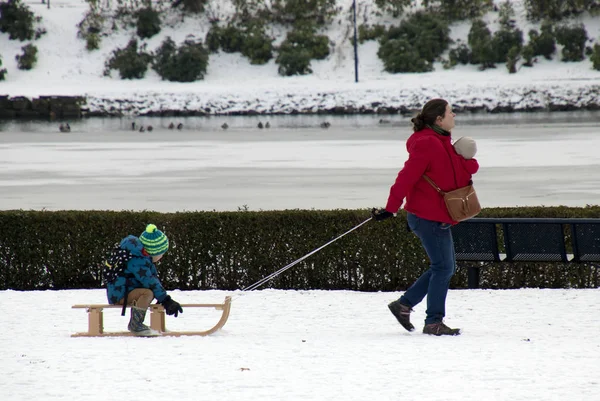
(381,214)
(171,307)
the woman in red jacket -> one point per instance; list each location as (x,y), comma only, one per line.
(430,152)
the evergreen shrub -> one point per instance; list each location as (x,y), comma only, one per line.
(194,6)
(512,58)
(231,39)
(257,45)
(2,70)
(131,63)
(573,39)
(300,46)
(528,55)
(366,32)
(508,39)
(595,57)
(399,55)
(17,20)
(456,10)
(92,42)
(186,63)
(248,38)
(544,43)
(460,54)
(557,10)
(299,12)
(41,250)
(482,45)
(28,59)
(293,61)
(148,22)
(90,28)
(415,44)
(393,7)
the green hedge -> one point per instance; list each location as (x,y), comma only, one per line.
(232,250)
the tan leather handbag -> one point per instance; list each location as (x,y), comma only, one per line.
(462,203)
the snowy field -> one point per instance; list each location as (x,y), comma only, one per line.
(518,345)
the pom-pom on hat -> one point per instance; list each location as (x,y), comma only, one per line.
(466,147)
(155,241)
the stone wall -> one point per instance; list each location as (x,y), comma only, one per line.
(47,107)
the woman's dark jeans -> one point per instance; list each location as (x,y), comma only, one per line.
(436,238)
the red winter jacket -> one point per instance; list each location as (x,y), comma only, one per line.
(431,154)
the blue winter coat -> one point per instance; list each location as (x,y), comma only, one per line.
(140,273)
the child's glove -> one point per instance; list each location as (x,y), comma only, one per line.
(171,307)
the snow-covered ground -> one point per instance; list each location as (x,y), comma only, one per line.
(517,345)
(232,85)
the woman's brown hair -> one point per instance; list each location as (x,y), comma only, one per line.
(431,111)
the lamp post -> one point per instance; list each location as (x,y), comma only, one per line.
(355,43)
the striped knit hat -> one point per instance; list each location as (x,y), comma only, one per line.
(155,241)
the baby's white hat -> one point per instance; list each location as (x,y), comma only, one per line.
(466,147)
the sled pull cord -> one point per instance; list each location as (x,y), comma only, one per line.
(289,266)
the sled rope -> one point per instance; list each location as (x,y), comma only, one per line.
(289,266)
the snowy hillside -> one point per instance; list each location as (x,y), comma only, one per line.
(232,84)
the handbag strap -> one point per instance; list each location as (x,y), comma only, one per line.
(434,185)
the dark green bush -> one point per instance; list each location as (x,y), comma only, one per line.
(528,55)
(17,20)
(213,38)
(507,39)
(299,47)
(248,38)
(460,54)
(194,6)
(249,10)
(366,32)
(573,39)
(543,44)
(454,10)
(504,41)
(2,71)
(257,46)
(595,57)
(557,9)
(394,7)
(148,22)
(231,39)
(482,45)
(399,55)
(513,56)
(232,250)
(187,63)
(424,36)
(306,38)
(293,62)
(28,59)
(90,28)
(92,42)
(131,63)
(299,12)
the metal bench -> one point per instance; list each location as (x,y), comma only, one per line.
(525,240)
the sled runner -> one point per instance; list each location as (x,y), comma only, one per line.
(157,320)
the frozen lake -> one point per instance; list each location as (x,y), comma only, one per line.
(526,159)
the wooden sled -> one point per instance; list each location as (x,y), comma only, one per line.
(157,320)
